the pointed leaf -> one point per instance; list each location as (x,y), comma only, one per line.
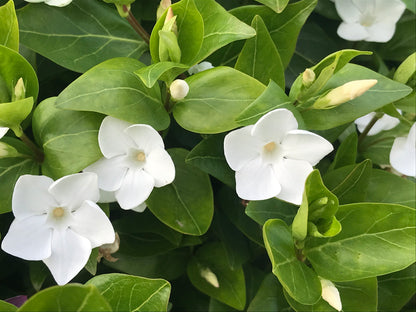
(346,153)
(263,210)
(276,5)
(166,71)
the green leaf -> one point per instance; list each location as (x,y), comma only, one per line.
(396,289)
(12,67)
(208,155)
(406,69)
(166,71)
(190,30)
(216,96)
(411,5)
(350,183)
(284,28)
(186,204)
(276,5)
(132,293)
(80,35)
(91,265)
(346,153)
(9,29)
(71,297)
(297,279)
(376,239)
(168,47)
(69,139)
(383,93)
(263,210)
(11,168)
(269,296)
(113,89)
(385,187)
(12,114)
(259,57)
(210,272)
(38,272)
(7,307)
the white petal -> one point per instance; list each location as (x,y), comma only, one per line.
(352,31)
(29,239)
(305,145)
(292,175)
(140,208)
(347,11)
(70,253)
(145,137)
(363,121)
(330,294)
(389,10)
(381,32)
(110,172)
(3,131)
(274,125)
(107,197)
(34,1)
(31,196)
(403,155)
(384,123)
(160,166)
(58,3)
(92,223)
(112,139)
(136,188)
(72,190)
(240,147)
(256,181)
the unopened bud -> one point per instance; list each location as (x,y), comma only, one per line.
(7,150)
(179,89)
(330,294)
(19,90)
(164,4)
(308,77)
(344,93)
(200,67)
(210,277)
(170,22)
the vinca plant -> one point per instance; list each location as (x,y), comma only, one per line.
(207,155)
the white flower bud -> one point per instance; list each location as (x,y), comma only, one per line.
(164,4)
(330,294)
(210,277)
(179,89)
(200,67)
(344,93)
(19,90)
(308,77)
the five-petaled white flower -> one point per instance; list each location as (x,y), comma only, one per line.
(3,131)
(58,3)
(57,222)
(135,161)
(386,122)
(369,20)
(403,153)
(272,158)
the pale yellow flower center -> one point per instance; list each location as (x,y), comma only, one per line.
(270,147)
(141,156)
(58,212)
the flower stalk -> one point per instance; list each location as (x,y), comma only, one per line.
(136,25)
(37,152)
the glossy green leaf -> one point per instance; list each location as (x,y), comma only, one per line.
(406,69)
(208,155)
(259,57)
(7,307)
(383,93)
(190,29)
(350,183)
(9,29)
(263,210)
(396,289)
(300,281)
(113,89)
(12,67)
(284,28)
(276,5)
(69,146)
(186,204)
(80,35)
(210,272)
(346,153)
(166,71)
(12,114)
(132,293)
(376,239)
(71,297)
(216,96)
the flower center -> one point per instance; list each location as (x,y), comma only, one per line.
(141,156)
(367,20)
(269,147)
(58,212)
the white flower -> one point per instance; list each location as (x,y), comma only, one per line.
(273,158)
(134,162)
(330,294)
(369,20)
(403,153)
(57,222)
(3,131)
(179,89)
(200,67)
(58,3)
(386,122)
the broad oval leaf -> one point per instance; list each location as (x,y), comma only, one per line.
(132,293)
(7,307)
(300,281)
(216,96)
(376,239)
(273,208)
(9,30)
(71,297)
(276,5)
(113,89)
(166,71)
(186,204)
(80,35)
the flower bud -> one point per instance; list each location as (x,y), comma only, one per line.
(210,277)
(170,22)
(19,90)
(330,294)
(178,89)
(308,77)
(200,67)
(164,4)
(344,93)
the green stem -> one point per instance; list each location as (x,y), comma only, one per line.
(39,156)
(136,25)
(367,129)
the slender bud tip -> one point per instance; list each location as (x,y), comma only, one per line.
(210,277)
(19,90)
(308,77)
(331,294)
(179,89)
